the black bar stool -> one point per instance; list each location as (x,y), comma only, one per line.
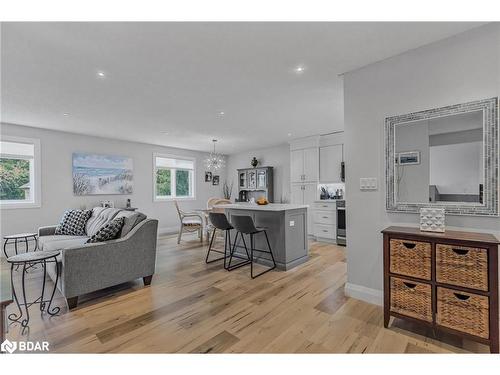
(245,225)
(219,221)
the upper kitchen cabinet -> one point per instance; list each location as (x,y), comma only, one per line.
(330,163)
(304,160)
(304,165)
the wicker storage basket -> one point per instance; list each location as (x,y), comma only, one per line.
(411,299)
(410,258)
(462,311)
(462,266)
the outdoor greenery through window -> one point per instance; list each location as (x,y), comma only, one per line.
(174,178)
(17,185)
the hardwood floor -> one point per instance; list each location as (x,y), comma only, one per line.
(192,307)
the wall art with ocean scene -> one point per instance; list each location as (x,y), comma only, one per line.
(95,174)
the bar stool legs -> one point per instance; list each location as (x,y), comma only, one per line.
(226,239)
(231,254)
(252,249)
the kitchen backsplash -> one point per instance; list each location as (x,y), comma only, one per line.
(332,191)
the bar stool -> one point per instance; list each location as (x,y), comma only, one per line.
(245,225)
(219,221)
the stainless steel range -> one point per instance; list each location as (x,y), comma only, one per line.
(341,229)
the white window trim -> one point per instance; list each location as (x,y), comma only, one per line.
(36,176)
(171,198)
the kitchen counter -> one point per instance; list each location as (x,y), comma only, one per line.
(266,207)
(286,226)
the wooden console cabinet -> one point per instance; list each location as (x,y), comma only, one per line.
(448,281)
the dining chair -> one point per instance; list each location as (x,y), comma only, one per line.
(190,222)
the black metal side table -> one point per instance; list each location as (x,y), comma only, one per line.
(17,238)
(28,260)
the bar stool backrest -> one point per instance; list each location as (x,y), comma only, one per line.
(219,221)
(243,224)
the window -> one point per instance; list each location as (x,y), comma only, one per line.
(19,172)
(173,177)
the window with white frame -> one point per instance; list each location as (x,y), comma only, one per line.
(173,177)
(19,172)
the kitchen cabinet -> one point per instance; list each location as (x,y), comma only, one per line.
(304,165)
(255,183)
(305,194)
(325,221)
(330,161)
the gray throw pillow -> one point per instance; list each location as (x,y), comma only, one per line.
(130,222)
(108,231)
(73,222)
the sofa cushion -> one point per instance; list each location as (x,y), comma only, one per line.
(100,217)
(73,222)
(131,220)
(108,232)
(58,243)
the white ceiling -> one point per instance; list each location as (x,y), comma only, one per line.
(176,77)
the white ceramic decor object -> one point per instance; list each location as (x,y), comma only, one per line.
(432,219)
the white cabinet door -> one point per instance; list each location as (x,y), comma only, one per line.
(297,165)
(297,194)
(310,195)
(311,164)
(330,159)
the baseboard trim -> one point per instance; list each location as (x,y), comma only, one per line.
(373,296)
(168,230)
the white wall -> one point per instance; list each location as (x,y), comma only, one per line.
(277,157)
(57,186)
(456,70)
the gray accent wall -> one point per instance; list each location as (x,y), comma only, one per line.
(456,70)
(57,186)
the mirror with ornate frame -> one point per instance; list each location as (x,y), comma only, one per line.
(445,157)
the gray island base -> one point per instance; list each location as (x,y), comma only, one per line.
(286,226)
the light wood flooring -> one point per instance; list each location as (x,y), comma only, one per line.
(192,307)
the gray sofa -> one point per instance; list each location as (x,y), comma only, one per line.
(85,268)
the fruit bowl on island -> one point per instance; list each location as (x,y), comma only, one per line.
(262,201)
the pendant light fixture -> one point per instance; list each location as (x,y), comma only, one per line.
(215,161)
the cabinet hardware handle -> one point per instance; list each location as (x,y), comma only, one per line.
(409,245)
(324,230)
(325,217)
(410,285)
(460,251)
(461,297)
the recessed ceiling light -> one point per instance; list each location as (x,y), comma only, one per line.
(66,114)
(299,69)
(221,113)
(289,134)
(101,74)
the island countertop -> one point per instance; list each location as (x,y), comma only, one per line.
(266,207)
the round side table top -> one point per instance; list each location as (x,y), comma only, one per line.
(20,235)
(33,256)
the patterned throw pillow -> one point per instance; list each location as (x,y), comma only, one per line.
(73,222)
(108,231)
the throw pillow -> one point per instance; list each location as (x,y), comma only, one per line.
(108,231)
(73,222)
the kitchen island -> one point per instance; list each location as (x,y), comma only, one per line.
(286,226)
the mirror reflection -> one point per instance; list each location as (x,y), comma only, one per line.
(440,159)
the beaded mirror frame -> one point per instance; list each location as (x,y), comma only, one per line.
(489,207)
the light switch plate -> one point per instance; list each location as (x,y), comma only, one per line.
(368,183)
(292,223)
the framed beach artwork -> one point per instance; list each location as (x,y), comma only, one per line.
(95,174)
